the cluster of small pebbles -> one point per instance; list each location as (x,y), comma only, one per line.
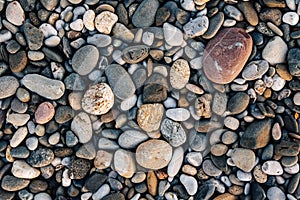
(149,99)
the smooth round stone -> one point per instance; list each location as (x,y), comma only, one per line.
(249,12)
(18,61)
(142,17)
(18,137)
(179,74)
(231,123)
(296,99)
(238,103)
(99,40)
(194,158)
(44,113)
(5,36)
(101,192)
(52,41)
(291,18)
(255,70)
(233,12)
(173,132)
(131,138)
(17,119)
(128,103)
(176,162)
(75,1)
(88,20)
(259,175)
(278,83)
(42,196)
(210,169)
(85,59)
(49,4)
(190,184)
(154,154)
(275,51)
(103,159)
(172,35)
(32,143)
(276,131)
(275,193)
(124,163)
(293,60)
(82,127)
(244,159)
(229,137)
(292,169)
(196,27)
(35,55)
(120,81)
(8,86)
(48,30)
(21,169)
(105,21)
(236,46)
(244,176)
(272,167)
(98,99)
(11,183)
(149,116)
(218,149)
(43,86)
(34,36)
(178,114)
(215,24)
(77,25)
(198,141)
(40,157)
(14,13)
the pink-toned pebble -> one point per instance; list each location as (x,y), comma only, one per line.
(44,113)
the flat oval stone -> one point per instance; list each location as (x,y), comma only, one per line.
(21,169)
(149,116)
(18,61)
(85,59)
(255,69)
(272,167)
(178,114)
(44,113)
(154,154)
(226,54)
(40,157)
(98,99)
(135,54)
(124,163)
(120,81)
(179,74)
(142,17)
(43,86)
(131,138)
(15,13)
(82,127)
(8,86)
(173,132)
(11,183)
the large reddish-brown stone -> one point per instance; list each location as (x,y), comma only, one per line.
(226,54)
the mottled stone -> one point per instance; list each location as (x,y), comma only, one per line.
(232,44)
(8,86)
(124,163)
(21,169)
(105,21)
(149,116)
(179,74)
(34,36)
(244,159)
(11,183)
(135,54)
(40,157)
(173,132)
(18,61)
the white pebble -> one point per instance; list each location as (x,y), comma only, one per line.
(48,30)
(291,18)
(77,25)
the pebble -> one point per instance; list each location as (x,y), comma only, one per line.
(135,54)
(293,58)
(249,12)
(79,168)
(88,20)
(98,99)
(229,137)
(11,183)
(18,137)
(124,89)
(172,35)
(17,119)
(257,134)
(154,154)
(244,159)
(40,157)
(233,12)
(8,86)
(278,83)
(105,21)
(14,13)
(275,51)
(173,132)
(179,74)
(131,139)
(103,159)
(291,18)
(194,158)
(142,17)
(149,116)
(219,103)
(238,103)
(85,59)
(44,113)
(176,162)
(231,123)
(210,169)
(21,169)
(124,163)
(215,24)
(101,192)
(255,70)
(99,40)
(196,27)
(178,114)
(18,61)
(296,99)
(34,36)
(244,176)
(77,25)
(82,127)
(272,167)
(275,193)
(43,86)
(5,36)
(215,67)
(190,184)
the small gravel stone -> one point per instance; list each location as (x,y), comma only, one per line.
(45,87)
(88,20)
(82,127)
(105,21)
(244,159)
(190,184)
(173,132)
(231,123)
(275,192)
(85,59)
(18,61)
(172,35)
(278,83)
(215,24)
(194,158)
(218,149)
(275,51)
(14,13)
(79,168)
(255,70)
(99,40)
(98,99)
(135,54)
(154,154)
(210,169)
(238,103)
(8,86)
(272,167)
(293,59)
(149,116)
(176,162)
(124,163)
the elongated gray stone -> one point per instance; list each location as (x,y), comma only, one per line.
(8,86)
